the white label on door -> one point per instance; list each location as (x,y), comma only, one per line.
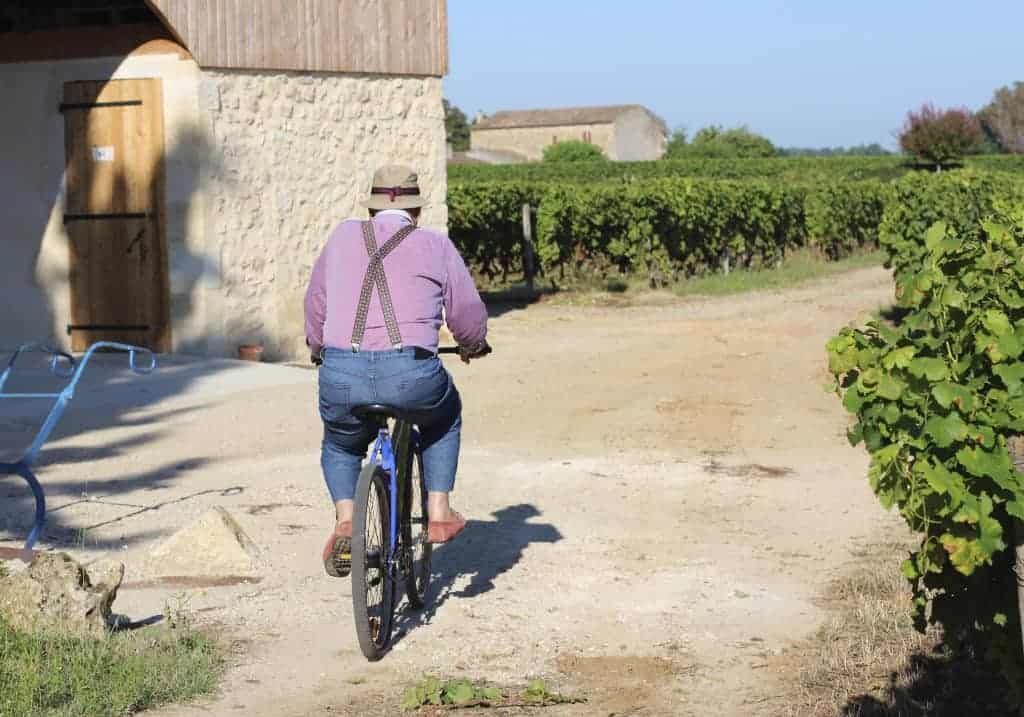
(103,154)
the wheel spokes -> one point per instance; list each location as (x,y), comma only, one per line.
(375,575)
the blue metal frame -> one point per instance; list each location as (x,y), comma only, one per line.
(384,455)
(62,365)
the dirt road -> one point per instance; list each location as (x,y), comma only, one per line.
(658,492)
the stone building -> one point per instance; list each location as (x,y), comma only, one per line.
(171,168)
(623,132)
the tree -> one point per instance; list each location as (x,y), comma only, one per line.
(867,150)
(858,150)
(715,142)
(456,127)
(676,146)
(1003,118)
(572,150)
(940,136)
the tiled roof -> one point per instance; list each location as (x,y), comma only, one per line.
(555,117)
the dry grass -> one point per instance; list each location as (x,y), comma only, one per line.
(867,660)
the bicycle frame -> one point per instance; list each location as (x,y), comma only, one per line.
(62,365)
(384,455)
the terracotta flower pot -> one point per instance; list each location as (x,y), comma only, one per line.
(250,352)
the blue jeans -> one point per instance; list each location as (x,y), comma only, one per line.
(395,378)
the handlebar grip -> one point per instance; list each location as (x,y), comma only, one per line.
(458,350)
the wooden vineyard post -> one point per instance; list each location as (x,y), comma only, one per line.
(528,266)
(1016,446)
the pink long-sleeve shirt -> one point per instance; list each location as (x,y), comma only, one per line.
(425,274)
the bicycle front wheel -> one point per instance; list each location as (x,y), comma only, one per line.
(373,580)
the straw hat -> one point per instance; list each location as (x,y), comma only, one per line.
(395,187)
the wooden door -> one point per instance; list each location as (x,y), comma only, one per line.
(114,215)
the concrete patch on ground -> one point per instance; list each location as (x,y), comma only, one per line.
(214,547)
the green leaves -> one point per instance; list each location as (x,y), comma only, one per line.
(909,570)
(996,322)
(898,358)
(935,235)
(538,693)
(842,354)
(946,430)
(675,226)
(1012,377)
(933,369)
(951,395)
(943,481)
(458,693)
(890,387)
(985,463)
(937,395)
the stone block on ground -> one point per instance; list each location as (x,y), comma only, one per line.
(215,546)
(55,593)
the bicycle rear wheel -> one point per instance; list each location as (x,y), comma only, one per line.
(414,533)
(373,581)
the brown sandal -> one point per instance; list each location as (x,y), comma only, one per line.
(441,531)
(337,553)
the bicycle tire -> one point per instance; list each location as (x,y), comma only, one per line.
(414,533)
(373,585)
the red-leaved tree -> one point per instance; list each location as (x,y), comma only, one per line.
(940,136)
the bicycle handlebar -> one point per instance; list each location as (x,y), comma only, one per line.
(457,350)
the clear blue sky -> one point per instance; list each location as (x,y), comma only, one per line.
(803,73)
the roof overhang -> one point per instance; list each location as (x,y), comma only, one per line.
(385,37)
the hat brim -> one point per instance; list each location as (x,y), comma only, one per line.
(381,202)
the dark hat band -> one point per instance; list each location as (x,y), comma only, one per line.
(393,192)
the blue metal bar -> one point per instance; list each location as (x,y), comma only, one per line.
(29,395)
(22,469)
(48,425)
(55,361)
(387,462)
(132,351)
(70,371)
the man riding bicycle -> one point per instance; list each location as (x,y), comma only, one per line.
(373,310)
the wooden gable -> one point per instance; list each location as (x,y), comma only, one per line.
(378,37)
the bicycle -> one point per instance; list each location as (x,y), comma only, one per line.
(389,529)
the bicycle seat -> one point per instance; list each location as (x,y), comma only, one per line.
(381,412)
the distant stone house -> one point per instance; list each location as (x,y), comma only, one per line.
(171,168)
(623,132)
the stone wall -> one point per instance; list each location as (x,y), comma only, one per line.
(530,142)
(639,136)
(293,155)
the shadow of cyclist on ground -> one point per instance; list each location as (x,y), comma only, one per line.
(484,551)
